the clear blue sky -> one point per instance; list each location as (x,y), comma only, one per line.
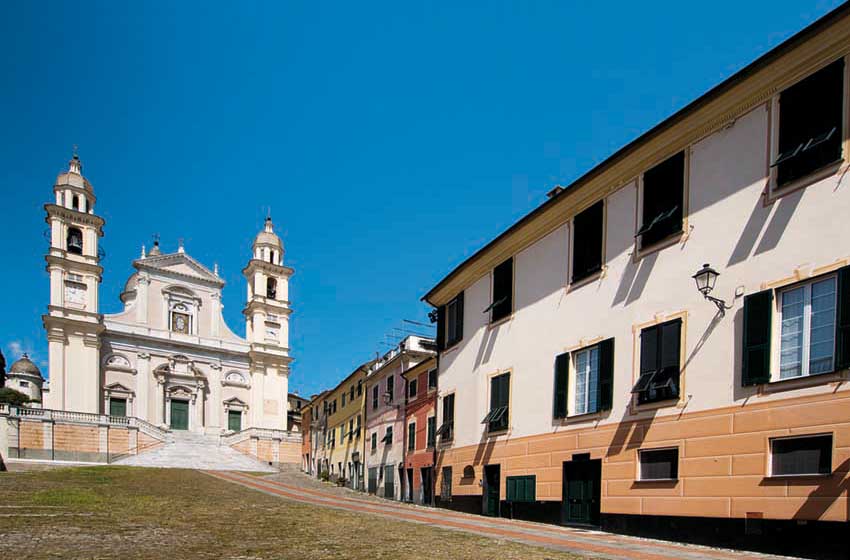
(391,141)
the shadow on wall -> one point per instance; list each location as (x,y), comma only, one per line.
(828,491)
(634,279)
(782,211)
(488,342)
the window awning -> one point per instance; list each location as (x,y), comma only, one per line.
(656,220)
(499,301)
(495,415)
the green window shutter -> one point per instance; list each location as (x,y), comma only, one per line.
(441,327)
(842,324)
(459,317)
(649,350)
(562,372)
(758,315)
(520,488)
(671,338)
(605,387)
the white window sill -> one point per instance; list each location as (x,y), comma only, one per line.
(787,476)
(657,480)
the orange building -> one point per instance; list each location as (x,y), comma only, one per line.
(420,433)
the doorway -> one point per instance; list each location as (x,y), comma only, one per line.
(234,420)
(428,486)
(582,491)
(179,415)
(492,478)
(373,480)
(408,490)
(389,484)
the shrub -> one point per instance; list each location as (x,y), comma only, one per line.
(10,396)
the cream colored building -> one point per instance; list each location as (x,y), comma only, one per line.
(25,377)
(168,357)
(584,378)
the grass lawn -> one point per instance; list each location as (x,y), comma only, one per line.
(123,512)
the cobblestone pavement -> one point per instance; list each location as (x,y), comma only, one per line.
(595,544)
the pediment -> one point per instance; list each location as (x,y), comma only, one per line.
(180,265)
(118,388)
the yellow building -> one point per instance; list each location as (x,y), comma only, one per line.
(344,441)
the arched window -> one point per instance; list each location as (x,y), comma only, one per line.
(75,202)
(271,288)
(75,240)
(271,257)
(87,205)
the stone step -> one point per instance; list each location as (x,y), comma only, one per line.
(196,451)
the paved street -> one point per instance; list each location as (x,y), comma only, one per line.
(595,544)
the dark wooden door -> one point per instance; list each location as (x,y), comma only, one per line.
(373,480)
(428,486)
(179,415)
(389,485)
(582,491)
(118,407)
(234,420)
(492,477)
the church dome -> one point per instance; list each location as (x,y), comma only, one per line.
(74,176)
(25,366)
(268,237)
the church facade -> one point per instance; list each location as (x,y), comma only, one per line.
(168,358)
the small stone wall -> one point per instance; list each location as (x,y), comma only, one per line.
(274,447)
(68,436)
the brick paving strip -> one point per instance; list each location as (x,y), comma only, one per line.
(578,541)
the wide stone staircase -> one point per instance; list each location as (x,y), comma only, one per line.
(186,450)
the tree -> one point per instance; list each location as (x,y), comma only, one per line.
(10,396)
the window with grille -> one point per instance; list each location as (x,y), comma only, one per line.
(799,456)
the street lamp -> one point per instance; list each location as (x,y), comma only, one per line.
(706,278)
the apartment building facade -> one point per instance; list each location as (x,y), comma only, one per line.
(420,434)
(604,376)
(385,416)
(344,435)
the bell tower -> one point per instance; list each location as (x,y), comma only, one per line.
(267,329)
(72,322)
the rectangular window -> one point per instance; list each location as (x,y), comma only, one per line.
(446,431)
(663,200)
(521,488)
(659,362)
(359,388)
(807,329)
(446,486)
(798,456)
(374,441)
(497,418)
(359,425)
(587,241)
(351,394)
(810,124)
(375,391)
(411,436)
(659,464)
(587,380)
(411,388)
(431,433)
(342,397)
(388,436)
(454,321)
(503,289)
(351,429)
(390,388)
(432,379)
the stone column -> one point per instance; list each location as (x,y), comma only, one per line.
(199,408)
(142,298)
(143,374)
(160,402)
(215,311)
(214,403)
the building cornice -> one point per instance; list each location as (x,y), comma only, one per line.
(257,264)
(56,211)
(65,263)
(818,44)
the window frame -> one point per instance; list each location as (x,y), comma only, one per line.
(771,455)
(681,318)
(446,429)
(432,386)
(431,432)
(454,321)
(642,249)
(494,303)
(412,388)
(776,328)
(641,453)
(572,409)
(589,275)
(503,419)
(775,190)
(411,436)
